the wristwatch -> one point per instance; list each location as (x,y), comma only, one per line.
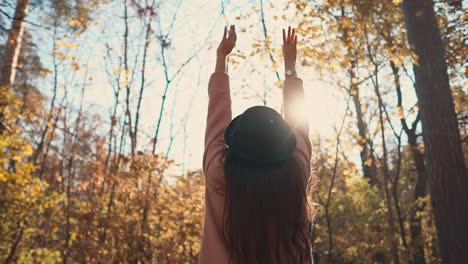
(290,73)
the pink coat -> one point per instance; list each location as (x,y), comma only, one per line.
(213,249)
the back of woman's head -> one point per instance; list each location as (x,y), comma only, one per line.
(265,218)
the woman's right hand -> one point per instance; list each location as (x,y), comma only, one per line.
(228,42)
(290,49)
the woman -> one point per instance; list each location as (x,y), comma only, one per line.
(256,171)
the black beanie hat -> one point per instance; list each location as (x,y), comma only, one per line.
(260,135)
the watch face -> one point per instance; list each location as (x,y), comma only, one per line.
(290,72)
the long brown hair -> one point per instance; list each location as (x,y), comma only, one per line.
(265,215)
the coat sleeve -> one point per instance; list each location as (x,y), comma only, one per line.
(218,118)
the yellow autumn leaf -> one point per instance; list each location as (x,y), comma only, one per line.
(75,66)
(43,72)
(400,112)
(73,22)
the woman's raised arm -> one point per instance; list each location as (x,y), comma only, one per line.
(293,97)
(219,105)
(293,91)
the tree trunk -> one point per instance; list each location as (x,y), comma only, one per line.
(127,81)
(14,247)
(368,161)
(143,79)
(11,54)
(420,189)
(387,180)
(13,45)
(446,168)
(49,117)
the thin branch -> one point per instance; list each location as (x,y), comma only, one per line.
(24,20)
(267,46)
(332,181)
(127,81)
(170,79)
(143,79)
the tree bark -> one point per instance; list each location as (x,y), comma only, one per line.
(368,161)
(143,79)
(49,117)
(384,162)
(11,55)
(13,45)
(420,189)
(446,167)
(127,81)
(14,247)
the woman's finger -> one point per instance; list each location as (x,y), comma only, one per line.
(289,34)
(232,32)
(291,40)
(284,36)
(225,32)
(295,40)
